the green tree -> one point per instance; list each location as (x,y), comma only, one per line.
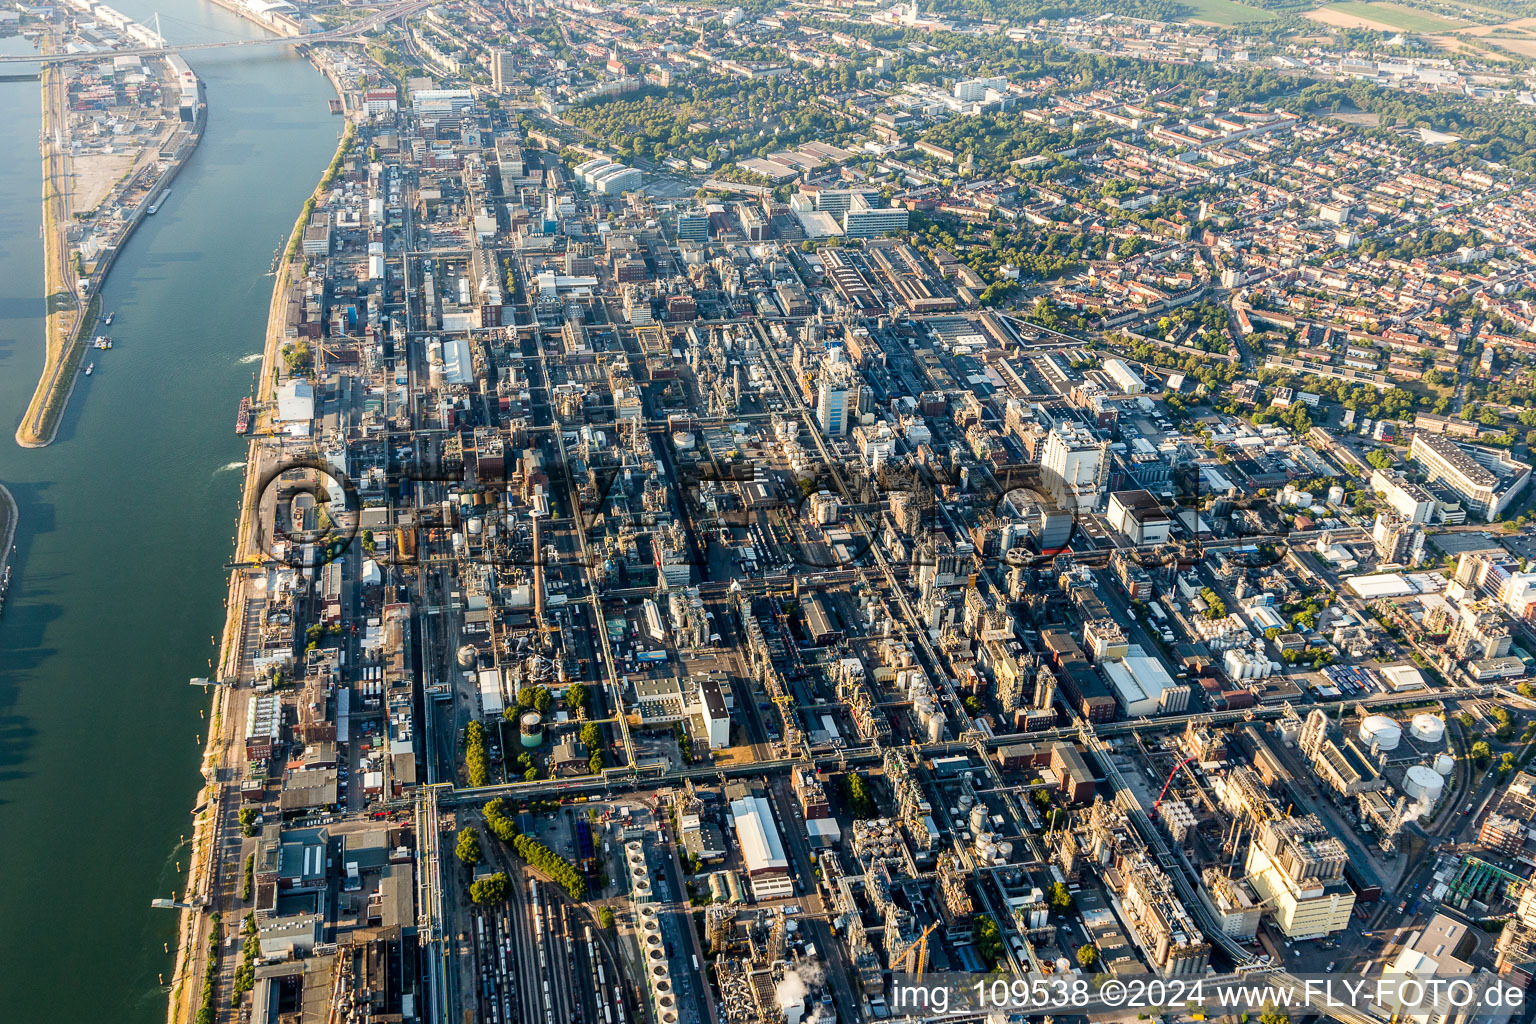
(477,759)
(989,941)
(297,356)
(468,847)
(591,736)
(860,804)
(491,889)
(578,698)
(1087,956)
(248,821)
(605,919)
(1061,897)
(1482,753)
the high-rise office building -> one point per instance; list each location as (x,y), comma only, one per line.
(693,225)
(1072,466)
(863,219)
(503,69)
(837,398)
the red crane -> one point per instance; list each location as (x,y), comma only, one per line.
(1168,782)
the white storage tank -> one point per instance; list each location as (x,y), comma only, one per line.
(1381,731)
(1427,728)
(1445,764)
(935,729)
(1422,783)
(1335,495)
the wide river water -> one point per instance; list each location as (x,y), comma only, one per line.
(126,523)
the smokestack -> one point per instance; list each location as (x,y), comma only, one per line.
(790,994)
(538,568)
(1045,690)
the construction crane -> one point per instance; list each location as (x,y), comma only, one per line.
(922,949)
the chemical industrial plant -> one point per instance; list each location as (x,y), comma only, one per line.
(746,508)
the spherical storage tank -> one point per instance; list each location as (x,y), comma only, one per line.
(531,729)
(1445,764)
(1427,728)
(1422,783)
(1382,731)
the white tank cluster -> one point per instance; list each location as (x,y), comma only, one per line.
(658,971)
(1427,728)
(1381,732)
(926,705)
(992,849)
(1244,664)
(639,872)
(1423,784)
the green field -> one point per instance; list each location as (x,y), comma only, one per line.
(1406,19)
(1224,12)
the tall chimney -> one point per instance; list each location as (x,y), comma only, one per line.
(538,567)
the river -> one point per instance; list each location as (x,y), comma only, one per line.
(126,522)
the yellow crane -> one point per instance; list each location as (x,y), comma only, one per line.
(922,949)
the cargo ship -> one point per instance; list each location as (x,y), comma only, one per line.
(243,417)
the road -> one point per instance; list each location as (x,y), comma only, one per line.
(613,781)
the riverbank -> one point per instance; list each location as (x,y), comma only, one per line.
(9,517)
(273,21)
(67,325)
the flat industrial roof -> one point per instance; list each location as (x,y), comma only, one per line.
(1379,585)
(759,837)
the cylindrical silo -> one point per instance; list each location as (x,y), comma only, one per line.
(1427,728)
(530,729)
(1423,783)
(1381,731)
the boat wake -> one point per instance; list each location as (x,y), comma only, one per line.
(254,357)
(231,466)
